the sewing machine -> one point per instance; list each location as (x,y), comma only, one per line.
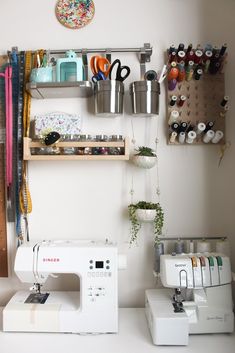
(92,310)
(201,301)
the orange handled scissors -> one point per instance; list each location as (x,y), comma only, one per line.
(100,68)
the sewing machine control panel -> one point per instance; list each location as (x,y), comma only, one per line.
(195,270)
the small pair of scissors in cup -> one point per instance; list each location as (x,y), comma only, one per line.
(100,68)
(119,69)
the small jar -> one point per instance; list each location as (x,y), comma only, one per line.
(101,138)
(116,138)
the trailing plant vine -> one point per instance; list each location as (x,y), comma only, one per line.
(158,221)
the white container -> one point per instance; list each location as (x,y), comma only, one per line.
(145,162)
(145,215)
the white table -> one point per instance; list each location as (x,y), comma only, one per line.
(133,337)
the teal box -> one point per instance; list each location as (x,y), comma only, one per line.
(69,68)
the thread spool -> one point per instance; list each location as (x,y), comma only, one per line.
(171,49)
(223,49)
(203,246)
(181,101)
(218,136)
(207,65)
(181,65)
(179,247)
(208,47)
(175,127)
(190,246)
(182,137)
(198,56)
(200,128)
(181,76)
(208,136)
(189,75)
(173,101)
(198,74)
(208,55)
(174,116)
(190,47)
(209,126)
(190,56)
(190,65)
(224,101)
(181,55)
(183,126)
(181,47)
(172,84)
(172,57)
(173,74)
(158,251)
(191,136)
(173,137)
(222,247)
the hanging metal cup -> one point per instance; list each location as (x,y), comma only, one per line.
(109,97)
(145,97)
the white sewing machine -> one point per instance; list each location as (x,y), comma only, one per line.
(92,310)
(204,305)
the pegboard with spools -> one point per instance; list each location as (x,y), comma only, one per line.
(196,99)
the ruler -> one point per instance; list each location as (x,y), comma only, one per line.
(3,230)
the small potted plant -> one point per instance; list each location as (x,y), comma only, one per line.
(144,157)
(145,212)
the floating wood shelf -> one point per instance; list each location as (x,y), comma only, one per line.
(43,90)
(29,144)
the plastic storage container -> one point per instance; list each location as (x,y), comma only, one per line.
(109,97)
(145,97)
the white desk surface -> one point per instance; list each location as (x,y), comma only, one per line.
(133,337)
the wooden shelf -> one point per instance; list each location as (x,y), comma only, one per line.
(43,90)
(29,144)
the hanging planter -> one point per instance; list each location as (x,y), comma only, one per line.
(145,212)
(145,157)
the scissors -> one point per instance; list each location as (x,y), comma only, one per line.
(119,69)
(100,68)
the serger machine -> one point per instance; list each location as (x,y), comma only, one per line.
(92,310)
(201,301)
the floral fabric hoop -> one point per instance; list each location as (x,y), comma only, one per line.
(75,14)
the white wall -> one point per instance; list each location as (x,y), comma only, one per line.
(90,199)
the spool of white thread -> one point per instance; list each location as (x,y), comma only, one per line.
(190,246)
(173,137)
(200,128)
(191,136)
(223,247)
(181,137)
(208,136)
(203,246)
(218,136)
(174,116)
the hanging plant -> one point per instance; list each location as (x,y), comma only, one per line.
(136,220)
(145,157)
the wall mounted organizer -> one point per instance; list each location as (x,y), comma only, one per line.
(196,101)
(108,98)
(30,146)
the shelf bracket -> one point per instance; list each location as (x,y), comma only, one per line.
(145,54)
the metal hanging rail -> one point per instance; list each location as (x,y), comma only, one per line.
(144,52)
(192,238)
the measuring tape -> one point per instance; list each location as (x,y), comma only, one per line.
(3,231)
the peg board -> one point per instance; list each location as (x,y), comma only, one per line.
(3,230)
(203,98)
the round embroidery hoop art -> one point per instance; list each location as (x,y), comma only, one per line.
(75,14)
